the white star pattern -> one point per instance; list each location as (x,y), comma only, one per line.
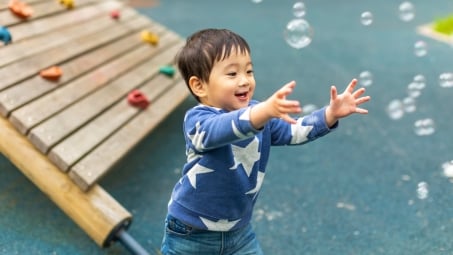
(299,133)
(197,169)
(246,156)
(197,138)
(221,225)
(259,182)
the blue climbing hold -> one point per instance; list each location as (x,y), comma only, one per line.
(5,36)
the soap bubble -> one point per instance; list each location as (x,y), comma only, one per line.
(420,79)
(365,78)
(298,33)
(309,108)
(424,127)
(446,80)
(257,1)
(422,190)
(448,169)
(409,104)
(413,90)
(406,11)
(420,48)
(395,109)
(366,18)
(299,9)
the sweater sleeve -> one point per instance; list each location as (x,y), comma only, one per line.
(307,129)
(207,128)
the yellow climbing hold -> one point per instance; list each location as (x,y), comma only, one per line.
(149,37)
(68,3)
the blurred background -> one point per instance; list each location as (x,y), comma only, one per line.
(380,184)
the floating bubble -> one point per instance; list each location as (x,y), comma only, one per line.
(298,33)
(257,1)
(366,18)
(420,48)
(448,169)
(406,11)
(309,108)
(365,78)
(446,80)
(421,80)
(409,104)
(422,190)
(395,109)
(299,9)
(413,90)
(424,127)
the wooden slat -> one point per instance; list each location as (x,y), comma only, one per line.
(48,133)
(80,143)
(96,164)
(21,93)
(41,9)
(42,108)
(4,3)
(62,19)
(56,38)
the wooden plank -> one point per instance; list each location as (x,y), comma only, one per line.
(40,10)
(96,164)
(53,130)
(19,94)
(4,3)
(42,108)
(73,148)
(63,19)
(59,37)
(95,211)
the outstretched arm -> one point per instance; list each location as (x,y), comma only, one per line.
(345,104)
(276,106)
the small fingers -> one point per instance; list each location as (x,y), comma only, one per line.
(286,89)
(361,110)
(333,93)
(362,100)
(351,86)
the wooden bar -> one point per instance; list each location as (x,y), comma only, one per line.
(95,211)
(44,107)
(58,37)
(82,60)
(48,133)
(97,163)
(83,141)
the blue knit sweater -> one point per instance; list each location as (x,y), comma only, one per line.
(226,163)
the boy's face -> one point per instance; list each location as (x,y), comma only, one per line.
(231,83)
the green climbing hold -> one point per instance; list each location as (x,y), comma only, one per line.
(167,70)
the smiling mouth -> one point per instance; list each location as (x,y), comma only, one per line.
(242,96)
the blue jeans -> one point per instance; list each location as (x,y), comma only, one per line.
(182,239)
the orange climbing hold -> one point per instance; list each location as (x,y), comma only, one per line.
(20,9)
(51,73)
(138,99)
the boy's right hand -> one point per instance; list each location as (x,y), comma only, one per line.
(276,106)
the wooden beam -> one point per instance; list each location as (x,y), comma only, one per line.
(95,211)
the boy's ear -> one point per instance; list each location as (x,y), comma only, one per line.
(197,86)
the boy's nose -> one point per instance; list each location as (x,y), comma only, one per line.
(244,81)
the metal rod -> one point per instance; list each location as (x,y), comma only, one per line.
(129,242)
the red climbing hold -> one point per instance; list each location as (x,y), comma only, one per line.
(115,14)
(138,99)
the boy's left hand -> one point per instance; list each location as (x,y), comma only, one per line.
(346,103)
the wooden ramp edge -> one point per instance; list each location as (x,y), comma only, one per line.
(95,211)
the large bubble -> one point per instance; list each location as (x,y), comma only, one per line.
(298,33)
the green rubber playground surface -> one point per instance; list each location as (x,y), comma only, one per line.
(374,186)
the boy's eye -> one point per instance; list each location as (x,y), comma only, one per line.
(231,74)
(250,71)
